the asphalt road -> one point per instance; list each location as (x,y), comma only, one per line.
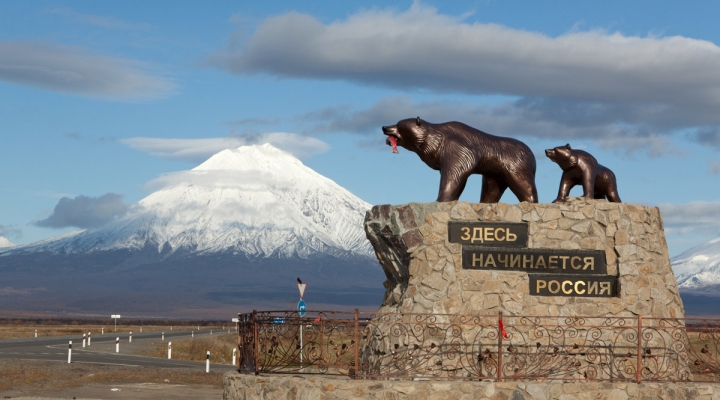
(56,349)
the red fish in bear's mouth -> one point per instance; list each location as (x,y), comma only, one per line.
(393,143)
(392,137)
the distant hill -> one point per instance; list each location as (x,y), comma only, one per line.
(233,233)
(5,243)
(698,276)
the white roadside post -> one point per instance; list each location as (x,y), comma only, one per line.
(234,355)
(89,338)
(192,334)
(169,350)
(102,332)
(84,338)
(141,329)
(35,332)
(211,331)
(207,363)
(117,345)
(301,307)
(70,352)
(163,336)
(130,339)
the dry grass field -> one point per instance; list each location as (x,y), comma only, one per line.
(52,375)
(58,379)
(220,347)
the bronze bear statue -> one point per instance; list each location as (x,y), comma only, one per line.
(458,151)
(579,167)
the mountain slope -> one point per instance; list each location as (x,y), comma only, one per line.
(698,267)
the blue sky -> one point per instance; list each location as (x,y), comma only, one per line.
(99,98)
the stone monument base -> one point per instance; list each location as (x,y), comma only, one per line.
(310,387)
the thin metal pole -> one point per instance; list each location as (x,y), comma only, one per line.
(638,375)
(256,343)
(357,344)
(321,339)
(301,343)
(239,345)
(500,349)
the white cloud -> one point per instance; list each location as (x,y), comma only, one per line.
(85,211)
(422,48)
(564,121)
(74,70)
(198,150)
(627,92)
(248,180)
(10,231)
(691,218)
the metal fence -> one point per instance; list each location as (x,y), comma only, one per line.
(479,347)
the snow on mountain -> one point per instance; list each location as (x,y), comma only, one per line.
(699,266)
(254,200)
(5,243)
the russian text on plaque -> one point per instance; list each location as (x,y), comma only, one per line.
(498,234)
(573,285)
(586,262)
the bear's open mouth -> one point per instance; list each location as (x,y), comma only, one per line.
(392,137)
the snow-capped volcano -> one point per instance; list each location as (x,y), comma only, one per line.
(254,200)
(5,243)
(698,267)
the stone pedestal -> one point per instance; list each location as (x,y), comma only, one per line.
(424,273)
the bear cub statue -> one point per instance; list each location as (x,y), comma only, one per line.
(579,167)
(458,151)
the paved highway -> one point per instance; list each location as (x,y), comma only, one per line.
(56,349)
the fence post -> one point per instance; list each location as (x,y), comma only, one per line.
(500,349)
(320,342)
(256,343)
(638,374)
(357,344)
(239,345)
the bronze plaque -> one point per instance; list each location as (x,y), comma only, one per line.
(573,285)
(498,234)
(561,262)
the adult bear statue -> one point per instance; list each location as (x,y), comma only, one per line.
(580,167)
(458,150)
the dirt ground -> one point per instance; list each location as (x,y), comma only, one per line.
(32,379)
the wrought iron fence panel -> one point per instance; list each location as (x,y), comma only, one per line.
(479,347)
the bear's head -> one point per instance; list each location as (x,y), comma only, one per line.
(408,133)
(563,156)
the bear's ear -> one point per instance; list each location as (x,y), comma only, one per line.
(417,121)
(567,146)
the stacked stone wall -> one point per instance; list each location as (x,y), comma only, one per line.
(250,387)
(424,273)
